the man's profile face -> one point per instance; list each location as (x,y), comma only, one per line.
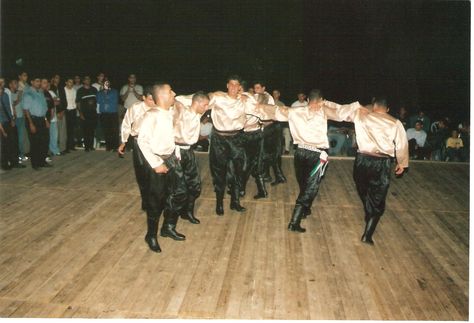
(166,95)
(258,88)
(233,87)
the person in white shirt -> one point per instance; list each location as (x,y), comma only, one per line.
(167,188)
(130,129)
(416,141)
(187,125)
(132,92)
(301,102)
(380,138)
(308,126)
(284,125)
(272,140)
(71,114)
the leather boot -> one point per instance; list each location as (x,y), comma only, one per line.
(189,215)
(219,204)
(168,229)
(151,238)
(267,177)
(295,221)
(370,226)
(279,177)
(261,190)
(306,212)
(235,201)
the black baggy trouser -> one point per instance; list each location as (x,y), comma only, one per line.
(109,122)
(273,135)
(89,124)
(372,179)
(226,154)
(253,146)
(192,177)
(9,151)
(166,192)
(305,162)
(39,142)
(141,173)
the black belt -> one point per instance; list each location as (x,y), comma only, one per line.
(374,155)
(228,133)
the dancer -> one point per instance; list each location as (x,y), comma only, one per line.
(187,125)
(272,139)
(131,127)
(166,187)
(380,138)
(308,126)
(226,153)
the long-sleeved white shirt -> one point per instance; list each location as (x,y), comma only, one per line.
(132,120)
(187,123)
(228,114)
(156,136)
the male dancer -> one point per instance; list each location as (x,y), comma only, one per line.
(187,125)
(131,127)
(226,152)
(308,126)
(380,138)
(273,135)
(166,190)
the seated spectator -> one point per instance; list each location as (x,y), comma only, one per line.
(437,140)
(206,127)
(421,116)
(416,141)
(454,147)
(464,129)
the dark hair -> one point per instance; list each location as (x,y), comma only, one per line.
(315,94)
(263,84)
(157,86)
(380,100)
(21,72)
(200,95)
(234,77)
(420,122)
(148,90)
(300,91)
(244,85)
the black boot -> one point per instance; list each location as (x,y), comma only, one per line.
(306,212)
(190,213)
(294,224)
(279,177)
(267,177)
(370,226)
(261,190)
(219,204)
(168,228)
(150,238)
(235,201)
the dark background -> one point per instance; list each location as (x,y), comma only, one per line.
(414,52)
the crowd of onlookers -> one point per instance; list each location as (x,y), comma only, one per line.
(52,117)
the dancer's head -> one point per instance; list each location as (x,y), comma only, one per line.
(233,85)
(315,98)
(163,95)
(380,104)
(200,102)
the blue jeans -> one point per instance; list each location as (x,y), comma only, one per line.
(20,126)
(53,138)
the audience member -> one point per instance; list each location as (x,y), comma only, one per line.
(51,101)
(423,118)
(284,125)
(108,99)
(437,140)
(454,146)
(131,92)
(67,95)
(60,112)
(86,100)
(416,141)
(77,82)
(205,132)
(8,134)
(402,115)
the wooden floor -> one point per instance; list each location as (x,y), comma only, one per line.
(71,245)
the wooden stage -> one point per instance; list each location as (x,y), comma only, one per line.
(72,246)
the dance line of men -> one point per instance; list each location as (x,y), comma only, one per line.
(165,126)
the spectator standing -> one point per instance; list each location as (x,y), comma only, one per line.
(60,112)
(77,82)
(284,125)
(402,115)
(301,102)
(86,100)
(23,142)
(35,109)
(8,137)
(108,99)
(50,97)
(67,95)
(131,92)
